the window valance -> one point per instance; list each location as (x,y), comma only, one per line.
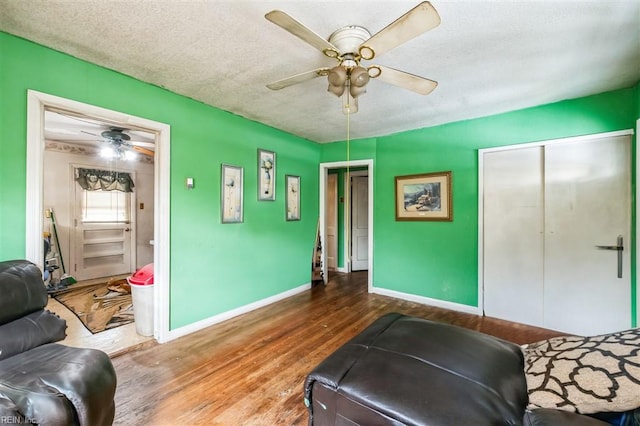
(95,179)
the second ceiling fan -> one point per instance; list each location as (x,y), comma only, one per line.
(120,145)
(353,43)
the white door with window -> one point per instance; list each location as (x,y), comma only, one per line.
(360,223)
(556,234)
(102,235)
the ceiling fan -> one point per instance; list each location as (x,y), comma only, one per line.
(120,144)
(353,43)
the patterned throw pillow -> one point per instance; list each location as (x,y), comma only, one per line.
(585,374)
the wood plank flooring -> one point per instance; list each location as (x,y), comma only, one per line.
(250,370)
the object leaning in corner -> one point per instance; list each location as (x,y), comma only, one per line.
(53,260)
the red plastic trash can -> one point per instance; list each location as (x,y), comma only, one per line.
(141,283)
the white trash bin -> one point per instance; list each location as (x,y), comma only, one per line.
(141,283)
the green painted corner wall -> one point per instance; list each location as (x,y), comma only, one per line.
(440,259)
(214,267)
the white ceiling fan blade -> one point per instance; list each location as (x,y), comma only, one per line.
(412,82)
(418,20)
(299,30)
(298,78)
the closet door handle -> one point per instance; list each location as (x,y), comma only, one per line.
(619,248)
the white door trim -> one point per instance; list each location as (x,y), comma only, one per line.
(324,169)
(482,152)
(37,102)
(636,223)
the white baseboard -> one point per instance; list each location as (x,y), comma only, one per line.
(207,322)
(427,301)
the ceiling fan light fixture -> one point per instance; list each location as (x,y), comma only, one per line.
(129,155)
(107,152)
(337,77)
(336,90)
(358,79)
(117,153)
(356,91)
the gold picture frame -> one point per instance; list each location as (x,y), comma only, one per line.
(424,197)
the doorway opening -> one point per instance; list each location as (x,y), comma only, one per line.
(341,257)
(158,252)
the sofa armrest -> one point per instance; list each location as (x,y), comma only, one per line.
(54,382)
(30,331)
(22,290)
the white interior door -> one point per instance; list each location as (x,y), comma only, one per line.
(588,198)
(360,223)
(546,209)
(103,235)
(514,235)
(331,222)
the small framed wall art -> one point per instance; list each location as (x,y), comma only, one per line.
(231,192)
(266,175)
(293,197)
(424,196)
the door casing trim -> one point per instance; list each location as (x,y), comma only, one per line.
(324,169)
(37,103)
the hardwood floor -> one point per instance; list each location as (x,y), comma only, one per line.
(250,370)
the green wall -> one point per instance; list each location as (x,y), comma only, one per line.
(214,267)
(440,259)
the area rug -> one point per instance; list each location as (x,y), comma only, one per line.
(99,307)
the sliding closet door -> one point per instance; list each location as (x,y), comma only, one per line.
(587,290)
(513,235)
(556,235)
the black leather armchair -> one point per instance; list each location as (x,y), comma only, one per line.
(410,371)
(42,382)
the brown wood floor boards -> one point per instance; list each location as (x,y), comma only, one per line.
(250,370)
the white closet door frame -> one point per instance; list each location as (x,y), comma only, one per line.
(636,223)
(482,152)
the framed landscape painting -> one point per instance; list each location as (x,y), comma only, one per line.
(424,197)
(231,194)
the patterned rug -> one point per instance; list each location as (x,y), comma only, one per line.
(585,374)
(99,307)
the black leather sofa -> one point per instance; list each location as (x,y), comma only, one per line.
(42,382)
(409,371)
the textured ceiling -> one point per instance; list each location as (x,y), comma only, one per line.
(487,56)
